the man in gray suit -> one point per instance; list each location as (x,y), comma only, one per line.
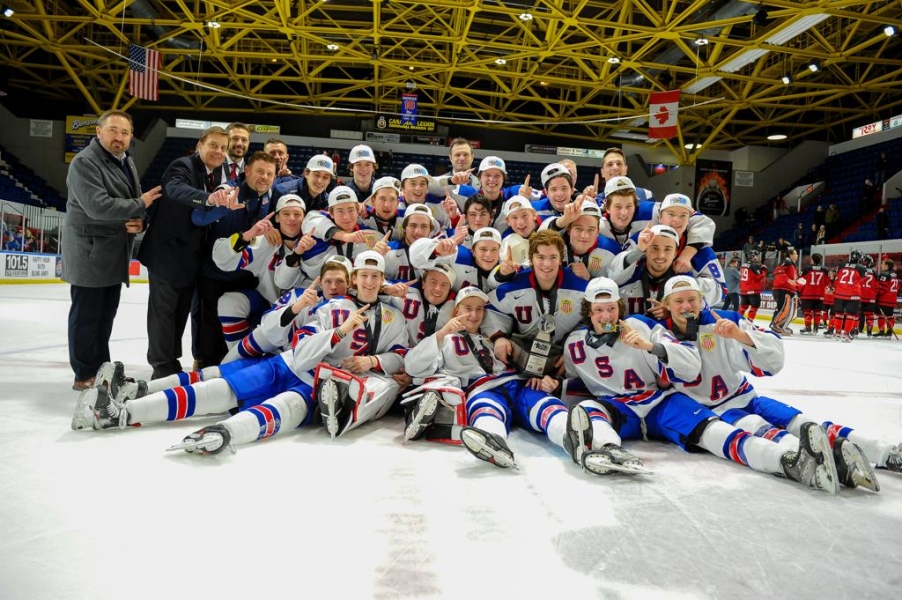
(104,212)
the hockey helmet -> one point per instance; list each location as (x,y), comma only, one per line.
(867,260)
(855,256)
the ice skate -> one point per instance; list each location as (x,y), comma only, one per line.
(112,375)
(131,389)
(489,447)
(828,333)
(852,468)
(613,459)
(806,331)
(421,415)
(894,460)
(578,440)
(209,440)
(846,338)
(333,401)
(95,408)
(813,463)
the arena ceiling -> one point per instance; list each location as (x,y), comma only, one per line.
(577,68)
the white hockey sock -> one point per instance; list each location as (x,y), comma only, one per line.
(557,428)
(277,415)
(875,450)
(202,398)
(602,432)
(182,378)
(549,415)
(487,414)
(726,441)
(758,427)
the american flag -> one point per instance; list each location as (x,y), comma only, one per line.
(144,72)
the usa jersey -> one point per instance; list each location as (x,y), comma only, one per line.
(464,192)
(869,286)
(629,375)
(259,257)
(544,209)
(699,231)
(887,288)
(397,263)
(455,358)
(304,272)
(383,226)
(514,306)
(465,269)
(751,279)
(317,341)
(816,281)
(421,320)
(847,285)
(597,259)
(721,383)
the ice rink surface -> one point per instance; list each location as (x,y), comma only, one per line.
(109,514)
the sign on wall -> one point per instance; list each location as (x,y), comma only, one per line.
(713,180)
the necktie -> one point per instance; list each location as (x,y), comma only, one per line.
(233,172)
(211,181)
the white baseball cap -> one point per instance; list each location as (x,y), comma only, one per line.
(602,286)
(341,195)
(444,269)
(341,260)
(487,234)
(492,162)
(553,170)
(369,259)
(666,231)
(471,291)
(414,170)
(419,209)
(514,204)
(677,201)
(619,185)
(290,200)
(679,283)
(383,183)
(590,209)
(320,162)
(361,153)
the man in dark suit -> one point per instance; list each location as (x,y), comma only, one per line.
(105,210)
(173,246)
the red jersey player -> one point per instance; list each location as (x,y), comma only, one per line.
(868,295)
(847,297)
(751,284)
(812,288)
(888,284)
(784,290)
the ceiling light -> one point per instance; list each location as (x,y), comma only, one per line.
(8,12)
(525,17)
(500,61)
(776,137)
(702,41)
(273,60)
(332,47)
(814,66)
(786,79)
(213,24)
(614,60)
(410,68)
(543,83)
(693,146)
(889,30)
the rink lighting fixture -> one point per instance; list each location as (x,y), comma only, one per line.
(500,61)
(786,79)
(8,12)
(889,30)
(614,60)
(693,146)
(332,47)
(213,24)
(525,16)
(814,66)
(776,137)
(702,41)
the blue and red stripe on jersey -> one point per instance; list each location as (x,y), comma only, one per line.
(181,402)
(734,446)
(268,418)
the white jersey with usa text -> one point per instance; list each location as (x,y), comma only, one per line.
(721,384)
(514,306)
(397,263)
(312,260)
(271,329)
(415,311)
(629,375)
(259,257)
(315,341)
(699,231)
(467,273)
(455,358)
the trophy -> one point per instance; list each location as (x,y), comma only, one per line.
(539,360)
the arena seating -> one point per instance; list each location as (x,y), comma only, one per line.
(19,183)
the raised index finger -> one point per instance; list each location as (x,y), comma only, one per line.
(596,182)
(269,216)
(387,235)
(315,284)
(526,181)
(362,309)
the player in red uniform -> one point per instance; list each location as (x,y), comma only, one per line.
(827,314)
(868,295)
(785,286)
(751,284)
(812,288)
(847,297)
(888,284)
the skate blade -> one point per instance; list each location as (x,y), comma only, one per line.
(581,424)
(427,406)
(862,472)
(826,477)
(606,467)
(480,448)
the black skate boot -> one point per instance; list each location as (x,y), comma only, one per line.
(813,463)
(112,375)
(335,405)
(209,440)
(489,447)
(421,415)
(852,468)
(894,460)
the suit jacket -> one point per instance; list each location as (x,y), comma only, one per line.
(172,248)
(96,248)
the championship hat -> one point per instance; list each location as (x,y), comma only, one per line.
(369,259)
(290,200)
(320,162)
(553,170)
(487,234)
(676,201)
(666,231)
(678,283)
(415,170)
(383,183)
(471,291)
(361,153)
(514,204)
(604,287)
(492,162)
(419,209)
(444,269)
(341,195)
(619,185)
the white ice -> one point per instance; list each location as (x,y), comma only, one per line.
(109,515)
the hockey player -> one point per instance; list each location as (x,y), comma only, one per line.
(868,296)
(471,267)
(251,251)
(887,296)
(785,288)
(728,346)
(813,284)
(382,210)
(620,361)
(415,184)
(847,297)
(492,175)
(312,186)
(418,223)
(558,184)
(427,305)
(589,254)
(751,283)
(335,232)
(829,299)
(477,215)
(362,165)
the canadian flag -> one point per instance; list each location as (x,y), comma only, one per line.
(662,114)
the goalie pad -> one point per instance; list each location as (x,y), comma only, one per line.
(452,411)
(364,398)
(787,312)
